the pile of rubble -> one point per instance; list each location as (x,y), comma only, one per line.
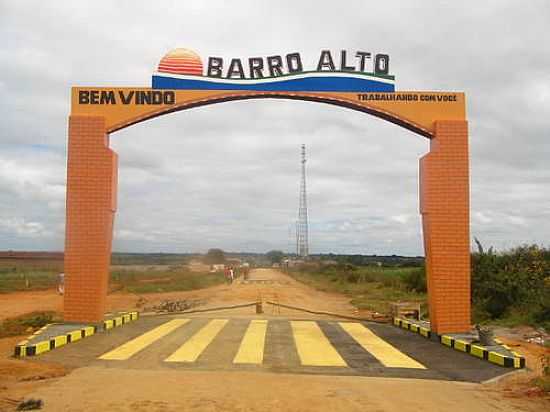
(169,306)
(538,337)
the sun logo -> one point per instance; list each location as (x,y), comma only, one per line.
(181,61)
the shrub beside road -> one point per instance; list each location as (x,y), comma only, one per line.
(370,288)
(509,288)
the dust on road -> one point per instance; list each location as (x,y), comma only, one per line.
(279,287)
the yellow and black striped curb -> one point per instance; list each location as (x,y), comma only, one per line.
(119,320)
(26,348)
(515,360)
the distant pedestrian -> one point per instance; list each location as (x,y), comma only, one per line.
(231,274)
(61,283)
(227,274)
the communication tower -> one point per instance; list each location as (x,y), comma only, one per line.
(302,246)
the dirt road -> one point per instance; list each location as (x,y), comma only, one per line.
(94,385)
(100,389)
(268,284)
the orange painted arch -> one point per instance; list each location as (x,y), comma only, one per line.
(418,116)
(92,170)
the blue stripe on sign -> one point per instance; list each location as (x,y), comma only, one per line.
(312,84)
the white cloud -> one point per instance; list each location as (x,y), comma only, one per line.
(227,175)
(20,227)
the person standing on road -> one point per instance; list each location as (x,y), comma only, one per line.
(61,283)
(231,274)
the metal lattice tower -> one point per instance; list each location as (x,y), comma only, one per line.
(302,246)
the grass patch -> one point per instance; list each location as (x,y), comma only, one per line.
(27,323)
(371,288)
(28,280)
(176,279)
(543,381)
(19,275)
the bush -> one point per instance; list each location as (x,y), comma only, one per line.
(353,277)
(23,324)
(415,280)
(515,281)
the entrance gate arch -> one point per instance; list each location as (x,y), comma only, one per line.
(92,169)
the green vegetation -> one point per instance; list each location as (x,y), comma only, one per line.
(372,260)
(214,257)
(26,324)
(512,287)
(175,278)
(21,275)
(508,288)
(149,258)
(275,256)
(24,275)
(543,381)
(369,287)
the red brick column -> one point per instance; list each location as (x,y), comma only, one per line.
(445,208)
(91,205)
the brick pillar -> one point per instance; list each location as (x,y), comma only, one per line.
(91,205)
(445,208)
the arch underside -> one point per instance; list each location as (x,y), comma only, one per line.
(390,117)
(92,170)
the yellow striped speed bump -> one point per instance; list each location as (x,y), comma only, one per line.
(251,350)
(314,348)
(33,346)
(136,345)
(387,354)
(192,349)
(502,356)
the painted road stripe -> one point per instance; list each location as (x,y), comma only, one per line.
(191,350)
(132,347)
(314,349)
(253,343)
(388,355)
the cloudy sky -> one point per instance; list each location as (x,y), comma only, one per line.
(228,175)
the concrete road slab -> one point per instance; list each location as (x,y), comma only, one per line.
(290,346)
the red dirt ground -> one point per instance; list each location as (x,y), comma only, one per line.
(20,378)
